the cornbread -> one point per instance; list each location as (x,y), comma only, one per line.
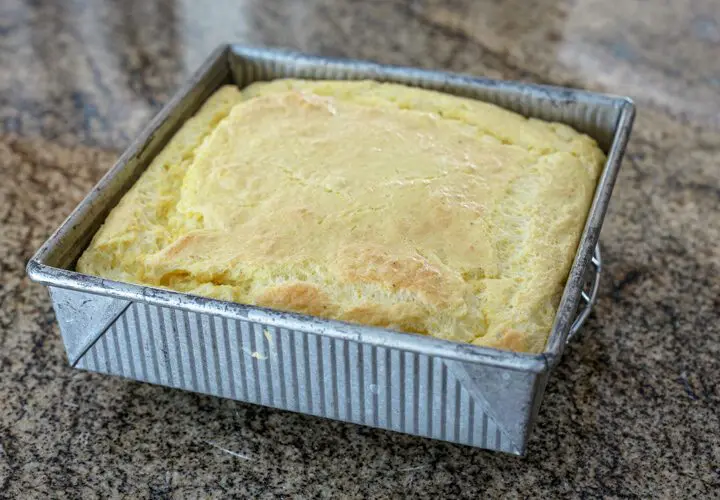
(366,202)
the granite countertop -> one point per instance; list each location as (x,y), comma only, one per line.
(632,411)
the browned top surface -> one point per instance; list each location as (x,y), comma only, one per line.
(633,409)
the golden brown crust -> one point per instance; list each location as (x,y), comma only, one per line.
(404,317)
(365,202)
(304,298)
(411,273)
(511,340)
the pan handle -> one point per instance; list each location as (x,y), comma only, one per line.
(588,295)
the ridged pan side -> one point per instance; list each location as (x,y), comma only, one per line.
(297,371)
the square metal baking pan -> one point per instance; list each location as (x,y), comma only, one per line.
(409,383)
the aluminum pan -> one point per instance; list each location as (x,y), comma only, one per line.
(609,117)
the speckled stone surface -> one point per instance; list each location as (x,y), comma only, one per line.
(632,411)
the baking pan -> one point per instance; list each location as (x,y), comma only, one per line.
(403,382)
